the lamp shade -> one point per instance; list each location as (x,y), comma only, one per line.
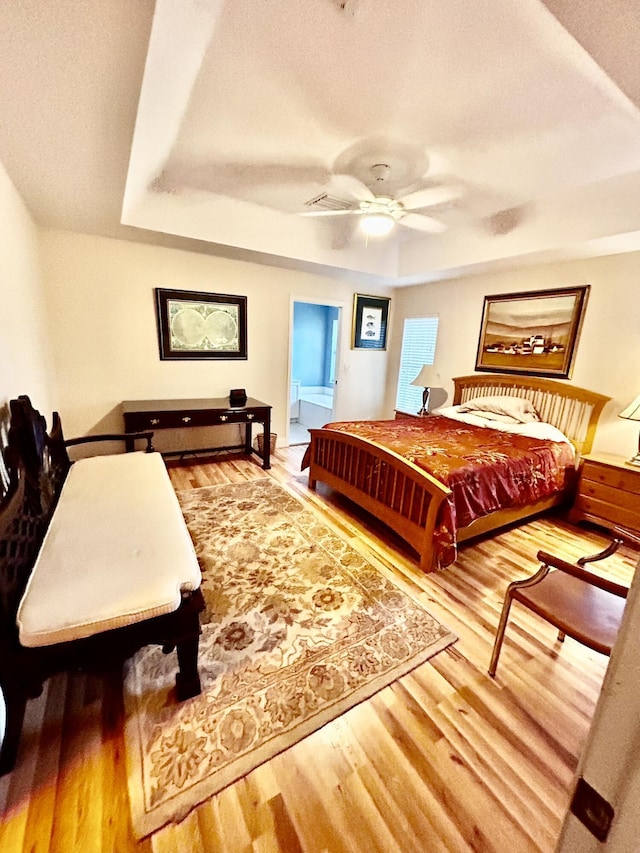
(632,412)
(427,378)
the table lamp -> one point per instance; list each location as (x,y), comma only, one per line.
(632,413)
(428,378)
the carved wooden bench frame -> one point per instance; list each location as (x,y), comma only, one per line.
(38,463)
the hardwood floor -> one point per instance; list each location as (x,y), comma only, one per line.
(445,759)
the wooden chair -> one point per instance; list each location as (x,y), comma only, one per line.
(583,605)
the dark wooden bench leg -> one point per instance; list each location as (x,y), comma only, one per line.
(185,637)
(187,677)
(15,704)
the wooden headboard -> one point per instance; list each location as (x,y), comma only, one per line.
(574,411)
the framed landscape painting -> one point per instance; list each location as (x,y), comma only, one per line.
(370,320)
(534,332)
(195,325)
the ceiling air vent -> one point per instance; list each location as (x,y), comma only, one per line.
(328,202)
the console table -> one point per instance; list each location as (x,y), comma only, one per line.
(140,415)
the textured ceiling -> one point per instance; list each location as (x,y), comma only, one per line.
(213,124)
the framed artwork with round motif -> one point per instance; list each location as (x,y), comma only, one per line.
(197,325)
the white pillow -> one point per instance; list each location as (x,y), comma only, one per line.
(476,418)
(518,408)
(494,416)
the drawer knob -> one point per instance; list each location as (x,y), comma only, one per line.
(224,417)
(250,416)
(155,421)
(186,419)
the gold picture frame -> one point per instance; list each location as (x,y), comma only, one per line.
(534,332)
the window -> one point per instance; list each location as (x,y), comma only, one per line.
(419,337)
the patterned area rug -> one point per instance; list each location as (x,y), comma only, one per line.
(298,628)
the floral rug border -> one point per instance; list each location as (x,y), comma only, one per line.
(321,684)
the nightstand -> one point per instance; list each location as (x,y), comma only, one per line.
(400,415)
(608,493)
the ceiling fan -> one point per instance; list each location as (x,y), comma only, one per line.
(379,212)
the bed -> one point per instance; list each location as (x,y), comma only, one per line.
(401,490)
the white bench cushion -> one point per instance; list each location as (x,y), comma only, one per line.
(117,551)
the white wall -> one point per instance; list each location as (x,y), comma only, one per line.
(608,352)
(100,303)
(610,760)
(24,346)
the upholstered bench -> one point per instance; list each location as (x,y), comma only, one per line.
(116,551)
(95,562)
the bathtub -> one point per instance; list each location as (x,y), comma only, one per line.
(316,406)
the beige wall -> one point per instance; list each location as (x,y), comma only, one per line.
(98,313)
(24,345)
(100,303)
(608,353)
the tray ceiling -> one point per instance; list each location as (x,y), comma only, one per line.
(218,122)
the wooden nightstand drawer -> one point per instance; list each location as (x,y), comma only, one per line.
(619,478)
(610,495)
(595,509)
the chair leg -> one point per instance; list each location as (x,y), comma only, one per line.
(497,646)
(513,587)
(561,636)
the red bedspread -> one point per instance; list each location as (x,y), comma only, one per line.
(486,469)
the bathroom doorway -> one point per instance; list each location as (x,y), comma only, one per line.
(315,334)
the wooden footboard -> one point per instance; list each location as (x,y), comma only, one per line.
(396,491)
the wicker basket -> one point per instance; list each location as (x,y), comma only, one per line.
(258,444)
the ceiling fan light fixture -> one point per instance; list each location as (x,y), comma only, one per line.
(377,224)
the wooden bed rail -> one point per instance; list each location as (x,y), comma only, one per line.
(397,492)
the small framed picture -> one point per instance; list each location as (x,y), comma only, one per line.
(370,322)
(534,332)
(193,325)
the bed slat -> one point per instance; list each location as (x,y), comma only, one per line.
(396,491)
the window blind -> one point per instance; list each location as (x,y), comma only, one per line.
(419,337)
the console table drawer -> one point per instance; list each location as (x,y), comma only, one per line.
(155,420)
(135,422)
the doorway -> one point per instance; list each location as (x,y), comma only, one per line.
(315,333)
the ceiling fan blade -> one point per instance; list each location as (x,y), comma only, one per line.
(427,224)
(346,212)
(351,186)
(429,197)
